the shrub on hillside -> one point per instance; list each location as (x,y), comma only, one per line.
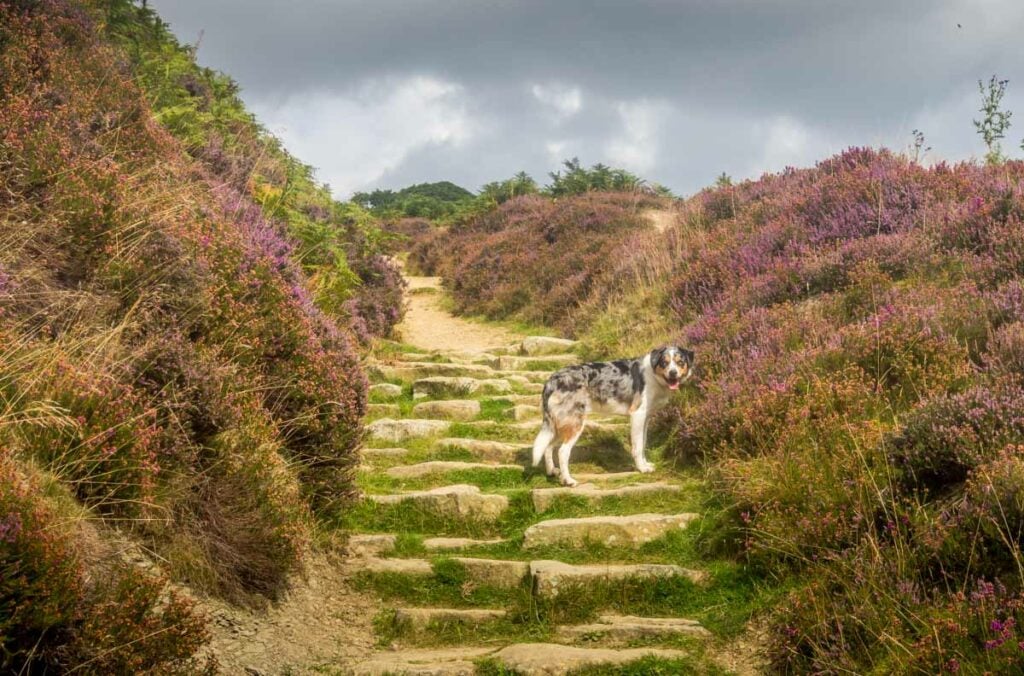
(947,437)
(533,258)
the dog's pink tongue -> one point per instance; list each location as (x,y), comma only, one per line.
(673,386)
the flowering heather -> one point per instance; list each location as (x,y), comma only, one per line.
(859,405)
(534,258)
(165,362)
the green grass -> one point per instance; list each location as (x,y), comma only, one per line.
(498,410)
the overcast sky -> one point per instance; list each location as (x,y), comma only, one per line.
(384,93)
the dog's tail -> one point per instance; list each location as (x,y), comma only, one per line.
(546,435)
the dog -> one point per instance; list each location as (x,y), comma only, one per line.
(633,387)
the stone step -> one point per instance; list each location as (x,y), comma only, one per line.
(625,628)
(510,363)
(410,567)
(448,544)
(386,390)
(375,453)
(495,451)
(522,412)
(524,378)
(553,659)
(604,477)
(484,358)
(446,662)
(371,545)
(460,501)
(393,430)
(448,409)
(550,578)
(420,618)
(389,410)
(543,498)
(530,399)
(505,574)
(612,531)
(449,386)
(435,466)
(546,345)
(411,370)
(495,572)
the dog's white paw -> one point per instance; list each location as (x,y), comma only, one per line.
(569,482)
(551,471)
(646,468)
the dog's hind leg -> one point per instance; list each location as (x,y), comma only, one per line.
(543,446)
(570,435)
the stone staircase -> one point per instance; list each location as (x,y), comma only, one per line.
(487,566)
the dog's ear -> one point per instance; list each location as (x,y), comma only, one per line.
(656,355)
(689,355)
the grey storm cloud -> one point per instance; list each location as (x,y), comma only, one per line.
(386,92)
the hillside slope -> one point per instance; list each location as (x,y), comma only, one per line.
(180,309)
(858,327)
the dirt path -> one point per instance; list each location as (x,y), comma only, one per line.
(661,219)
(428,326)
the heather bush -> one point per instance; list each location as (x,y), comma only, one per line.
(170,356)
(945,438)
(532,258)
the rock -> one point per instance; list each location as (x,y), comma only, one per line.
(543,498)
(371,545)
(495,572)
(451,409)
(531,399)
(415,356)
(413,567)
(624,628)
(526,377)
(386,391)
(388,429)
(370,453)
(496,451)
(442,544)
(445,662)
(550,578)
(606,476)
(460,501)
(611,531)
(526,425)
(525,412)
(551,659)
(406,371)
(435,466)
(535,363)
(419,618)
(447,386)
(390,410)
(546,345)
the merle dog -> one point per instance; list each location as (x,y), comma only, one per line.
(634,387)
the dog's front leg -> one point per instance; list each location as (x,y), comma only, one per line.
(638,439)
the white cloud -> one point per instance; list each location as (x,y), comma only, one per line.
(636,147)
(786,142)
(564,101)
(361,134)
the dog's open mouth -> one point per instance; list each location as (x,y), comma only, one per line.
(673,384)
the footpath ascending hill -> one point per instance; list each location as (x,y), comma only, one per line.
(859,332)
(484,566)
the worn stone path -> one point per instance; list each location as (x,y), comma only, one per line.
(482,564)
